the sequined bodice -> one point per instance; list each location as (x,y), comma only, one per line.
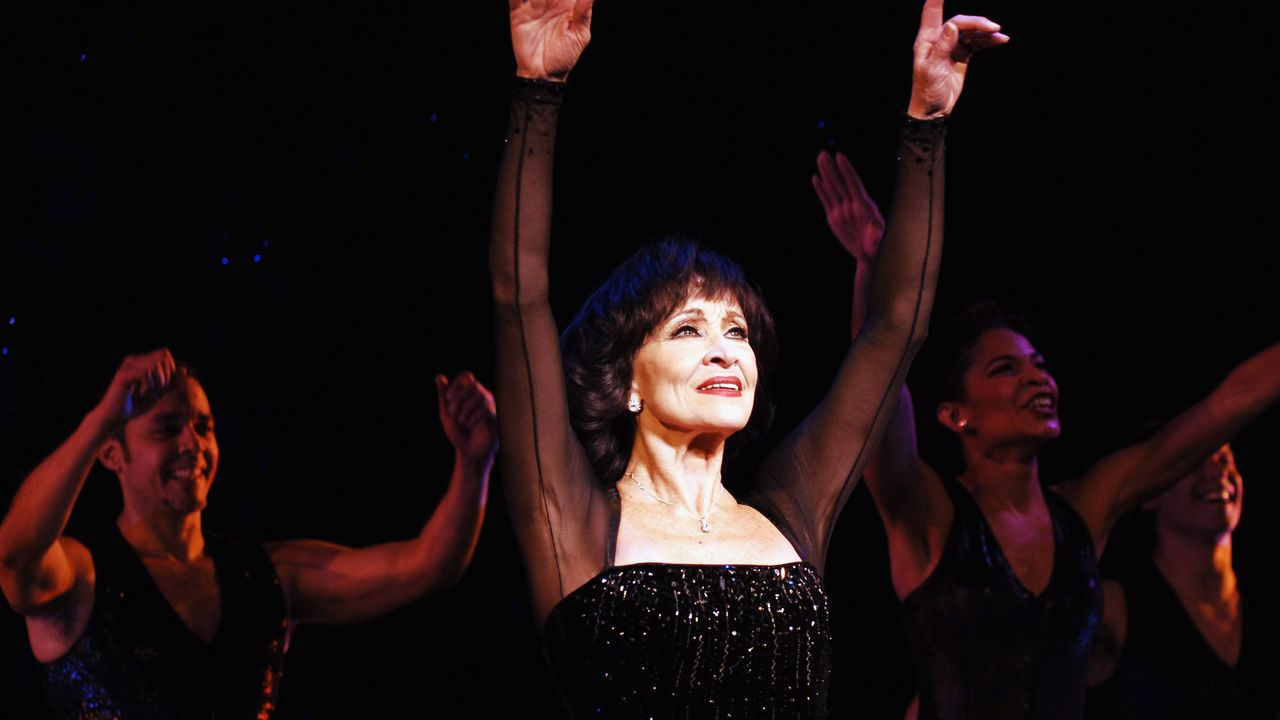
(694,641)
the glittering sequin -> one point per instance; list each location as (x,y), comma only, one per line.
(694,641)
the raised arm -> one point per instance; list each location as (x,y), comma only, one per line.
(1123,480)
(328,583)
(908,494)
(43,573)
(812,474)
(556,505)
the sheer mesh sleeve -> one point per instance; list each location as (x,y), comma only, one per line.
(558,509)
(804,483)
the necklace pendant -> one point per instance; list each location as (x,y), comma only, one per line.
(706,525)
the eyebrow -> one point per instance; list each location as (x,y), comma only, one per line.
(177,416)
(733,315)
(1009,357)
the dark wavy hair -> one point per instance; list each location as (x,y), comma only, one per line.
(938,373)
(599,346)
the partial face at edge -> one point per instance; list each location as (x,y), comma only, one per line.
(697,371)
(1208,499)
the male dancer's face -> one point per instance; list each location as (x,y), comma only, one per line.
(168,456)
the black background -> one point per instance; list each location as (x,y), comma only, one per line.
(1098,182)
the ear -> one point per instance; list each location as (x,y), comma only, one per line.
(112,455)
(951,416)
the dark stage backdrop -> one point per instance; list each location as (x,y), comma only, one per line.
(294,197)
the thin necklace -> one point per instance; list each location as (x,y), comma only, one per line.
(706,524)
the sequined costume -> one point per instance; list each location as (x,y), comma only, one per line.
(668,640)
(138,659)
(986,648)
(1167,670)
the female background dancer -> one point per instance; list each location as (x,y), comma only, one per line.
(998,578)
(662,594)
(1182,635)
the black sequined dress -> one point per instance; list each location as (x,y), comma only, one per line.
(659,640)
(137,659)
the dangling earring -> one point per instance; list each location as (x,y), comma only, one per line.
(635,405)
(962,423)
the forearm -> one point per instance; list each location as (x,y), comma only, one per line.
(521,228)
(902,290)
(862,277)
(332,584)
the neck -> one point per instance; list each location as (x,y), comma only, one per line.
(180,537)
(1199,566)
(1002,480)
(685,474)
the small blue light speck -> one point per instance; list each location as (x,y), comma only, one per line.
(83,56)
(4,351)
(257,258)
(12,319)
(466,154)
(226,261)
(433,117)
(822,124)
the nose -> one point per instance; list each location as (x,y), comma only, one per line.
(189,438)
(721,352)
(1033,375)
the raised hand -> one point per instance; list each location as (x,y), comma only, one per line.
(548,36)
(942,52)
(137,382)
(468,415)
(852,215)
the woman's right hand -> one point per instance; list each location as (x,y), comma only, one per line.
(548,36)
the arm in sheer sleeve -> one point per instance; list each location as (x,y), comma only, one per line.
(804,483)
(557,508)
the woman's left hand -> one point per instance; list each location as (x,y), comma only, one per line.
(942,53)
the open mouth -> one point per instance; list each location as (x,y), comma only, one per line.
(721,386)
(1043,402)
(1216,495)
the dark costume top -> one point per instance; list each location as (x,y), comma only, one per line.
(138,659)
(1167,670)
(984,647)
(667,640)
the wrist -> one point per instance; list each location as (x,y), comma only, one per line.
(541,89)
(100,424)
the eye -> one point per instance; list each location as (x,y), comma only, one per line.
(1002,369)
(685,330)
(737,332)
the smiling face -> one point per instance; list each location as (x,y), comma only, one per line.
(696,373)
(1207,500)
(1009,395)
(167,457)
